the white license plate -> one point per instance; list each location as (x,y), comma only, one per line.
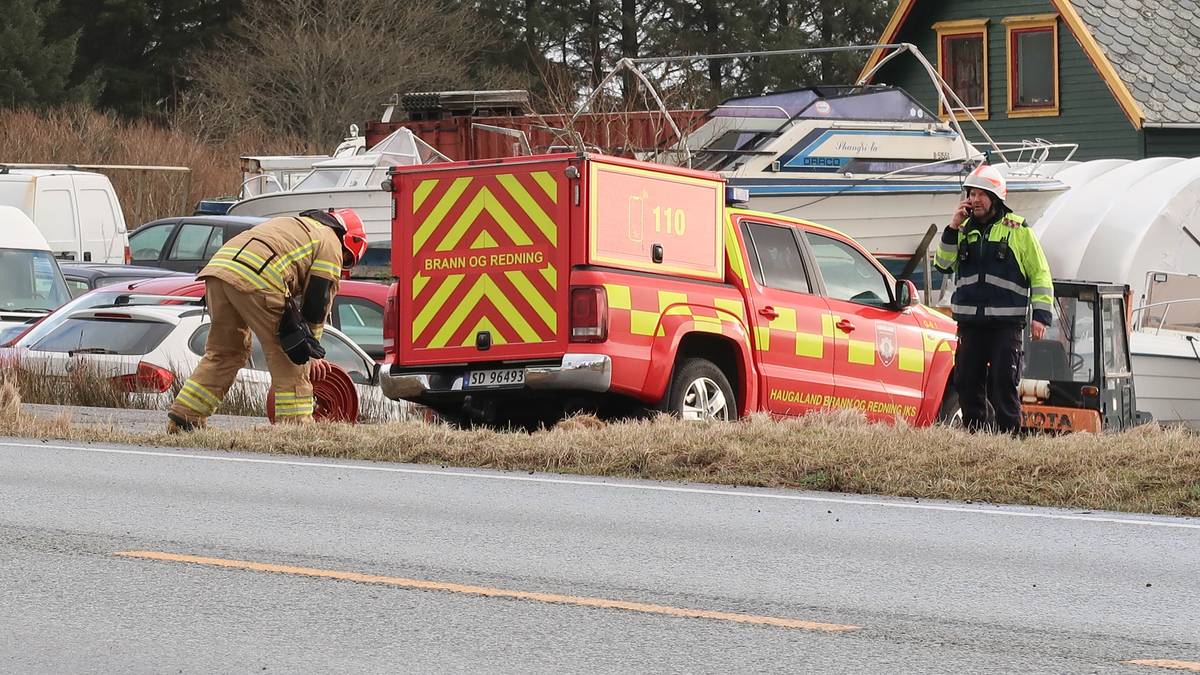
(507,377)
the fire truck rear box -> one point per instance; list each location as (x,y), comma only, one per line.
(581,273)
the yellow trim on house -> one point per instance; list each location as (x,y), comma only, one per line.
(1019,23)
(946,29)
(1103,66)
(1029,20)
(960,25)
(889,34)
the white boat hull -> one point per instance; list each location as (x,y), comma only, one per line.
(890,223)
(374,207)
(1166,374)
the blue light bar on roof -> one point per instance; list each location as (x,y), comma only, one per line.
(736,196)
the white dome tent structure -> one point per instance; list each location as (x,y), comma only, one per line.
(1073,219)
(1146,230)
(1138,223)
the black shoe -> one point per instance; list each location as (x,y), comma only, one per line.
(177,424)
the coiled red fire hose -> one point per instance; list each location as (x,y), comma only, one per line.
(335,398)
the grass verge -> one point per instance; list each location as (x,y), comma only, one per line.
(85,385)
(1147,470)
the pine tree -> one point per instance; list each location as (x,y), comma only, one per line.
(139,49)
(34,70)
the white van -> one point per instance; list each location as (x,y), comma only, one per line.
(77,211)
(31,285)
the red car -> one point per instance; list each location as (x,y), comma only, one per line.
(357,310)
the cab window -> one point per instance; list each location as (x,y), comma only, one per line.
(214,243)
(191,242)
(77,286)
(848,274)
(776,262)
(339,352)
(361,321)
(1116,355)
(147,243)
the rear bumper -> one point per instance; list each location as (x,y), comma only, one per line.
(577,372)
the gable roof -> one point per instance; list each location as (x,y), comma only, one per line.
(1146,51)
(1153,47)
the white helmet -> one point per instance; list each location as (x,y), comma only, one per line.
(987,177)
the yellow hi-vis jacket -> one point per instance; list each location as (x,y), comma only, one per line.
(999,272)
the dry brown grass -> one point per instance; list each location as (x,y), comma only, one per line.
(10,400)
(78,135)
(1147,470)
(33,383)
(86,387)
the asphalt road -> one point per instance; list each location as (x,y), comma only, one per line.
(129,419)
(892,585)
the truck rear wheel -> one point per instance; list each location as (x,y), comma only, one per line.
(700,391)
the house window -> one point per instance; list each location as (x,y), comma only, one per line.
(962,61)
(1032,65)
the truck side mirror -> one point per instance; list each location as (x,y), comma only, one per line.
(906,294)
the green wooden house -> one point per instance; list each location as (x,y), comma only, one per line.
(1119,77)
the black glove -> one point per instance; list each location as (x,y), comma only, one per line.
(296,337)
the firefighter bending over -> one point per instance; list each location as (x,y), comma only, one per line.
(252,285)
(999,272)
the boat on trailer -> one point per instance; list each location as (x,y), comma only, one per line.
(869,160)
(352,181)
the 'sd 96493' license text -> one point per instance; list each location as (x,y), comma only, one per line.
(508,377)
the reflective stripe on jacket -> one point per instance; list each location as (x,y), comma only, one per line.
(999,272)
(278,256)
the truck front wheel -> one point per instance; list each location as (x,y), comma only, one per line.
(700,391)
(950,414)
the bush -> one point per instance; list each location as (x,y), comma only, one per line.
(80,136)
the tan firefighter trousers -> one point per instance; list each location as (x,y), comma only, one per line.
(235,314)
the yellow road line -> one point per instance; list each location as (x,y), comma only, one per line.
(1169,664)
(485,591)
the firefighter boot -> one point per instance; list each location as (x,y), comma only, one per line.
(177,424)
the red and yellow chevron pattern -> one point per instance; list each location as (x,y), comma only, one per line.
(484,249)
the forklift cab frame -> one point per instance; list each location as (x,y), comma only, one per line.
(1078,377)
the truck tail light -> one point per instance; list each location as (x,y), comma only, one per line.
(148,378)
(589,314)
(391,321)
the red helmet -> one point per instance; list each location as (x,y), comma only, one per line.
(354,239)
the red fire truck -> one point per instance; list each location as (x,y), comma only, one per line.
(531,286)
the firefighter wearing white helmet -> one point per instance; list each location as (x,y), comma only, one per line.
(276,281)
(1000,274)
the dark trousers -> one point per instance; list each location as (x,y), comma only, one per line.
(987,369)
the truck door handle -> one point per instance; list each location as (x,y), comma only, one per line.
(845,326)
(769,312)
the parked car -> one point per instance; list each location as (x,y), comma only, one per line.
(185,243)
(357,310)
(216,206)
(146,347)
(31,284)
(76,211)
(84,277)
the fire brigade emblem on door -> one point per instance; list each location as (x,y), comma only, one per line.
(885,343)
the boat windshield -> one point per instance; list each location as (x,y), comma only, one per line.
(399,148)
(834,103)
